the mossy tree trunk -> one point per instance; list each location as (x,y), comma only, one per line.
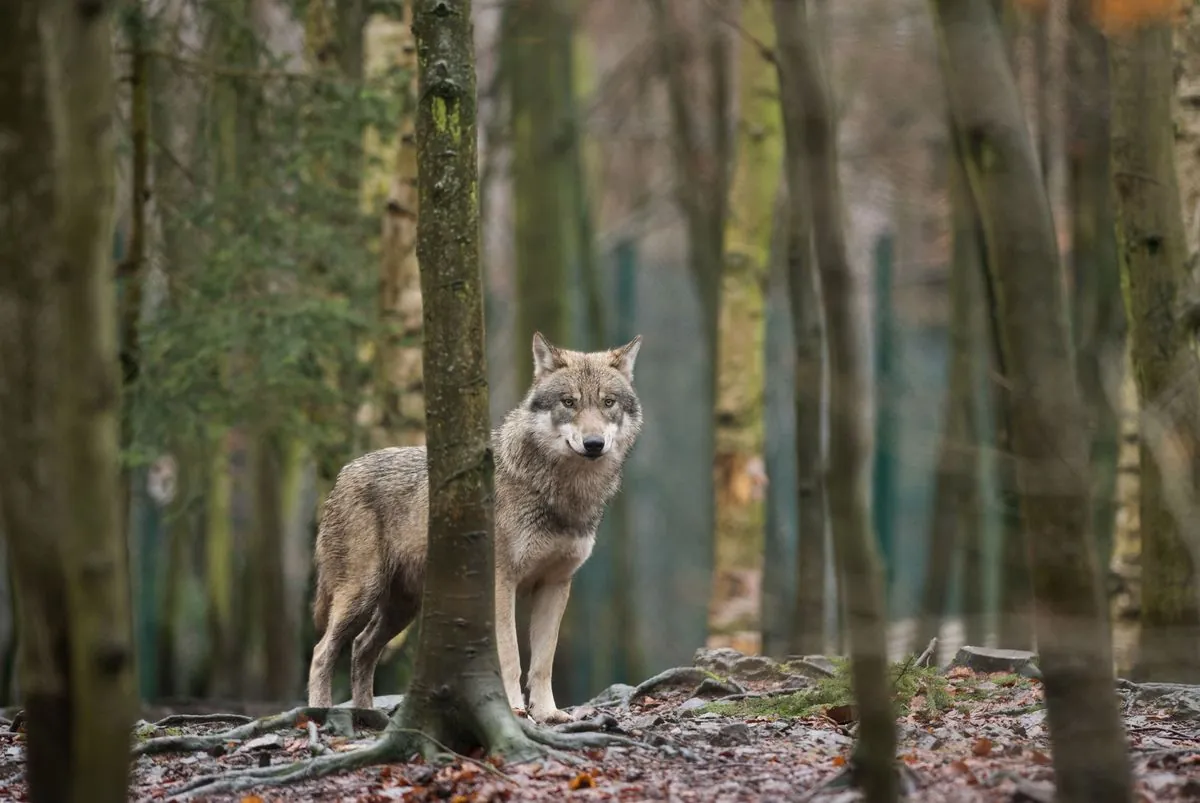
(801,76)
(59,425)
(807,631)
(456,695)
(752,193)
(1048,438)
(1099,315)
(955,525)
(1152,251)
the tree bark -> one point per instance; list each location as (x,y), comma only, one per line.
(59,425)
(956,492)
(801,76)
(808,342)
(456,695)
(401,412)
(1048,438)
(1099,315)
(1152,250)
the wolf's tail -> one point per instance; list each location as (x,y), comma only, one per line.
(321,608)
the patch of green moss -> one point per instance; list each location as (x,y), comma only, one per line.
(907,683)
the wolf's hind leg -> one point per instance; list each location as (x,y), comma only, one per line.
(390,617)
(549,603)
(344,621)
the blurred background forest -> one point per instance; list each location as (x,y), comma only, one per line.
(632,183)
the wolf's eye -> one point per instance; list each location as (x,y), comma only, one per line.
(568,402)
(609,402)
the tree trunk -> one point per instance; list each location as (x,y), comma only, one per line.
(1099,316)
(807,632)
(536,55)
(739,433)
(1048,437)
(956,492)
(1152,251)
(700,148)
(801,76)
(398,371)
(277,624)
(456,695)
(58,425)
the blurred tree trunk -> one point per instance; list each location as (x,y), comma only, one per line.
(59,425)
(701,146)
(536,52)
(1152,250)
(801,76)
(398,370)
(1047,435)
(277,624)
(956,522)
(807,632)
(1099,316)
(752,192)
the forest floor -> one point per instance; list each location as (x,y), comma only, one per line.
(783,732)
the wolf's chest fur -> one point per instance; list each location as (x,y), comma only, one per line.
(546,520)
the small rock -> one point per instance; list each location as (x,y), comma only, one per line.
(754,667)
(720,660)
(734,733)
(647,721)
(616,693)
(692,704)
(339,722)
(270,741)
(985,659)
(802,662)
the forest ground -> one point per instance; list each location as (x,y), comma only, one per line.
(965,735)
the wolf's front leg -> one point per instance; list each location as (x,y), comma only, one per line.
(506,641)
(549,603)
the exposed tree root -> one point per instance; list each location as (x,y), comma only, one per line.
(382,751)
(201,719)
(365,718)
(926,658)
(577,741)
(600,723)
(679,676)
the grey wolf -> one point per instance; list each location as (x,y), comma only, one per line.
(558,457)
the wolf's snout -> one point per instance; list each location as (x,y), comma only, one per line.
(593,445)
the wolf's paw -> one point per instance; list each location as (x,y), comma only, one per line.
(552,716)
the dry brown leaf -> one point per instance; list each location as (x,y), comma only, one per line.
(1038,757)
(839,761)
(583,780)
(961,768)
(959,672)
(982,747)
(842,714)
(252,799)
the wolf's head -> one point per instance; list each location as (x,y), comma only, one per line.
(582,404)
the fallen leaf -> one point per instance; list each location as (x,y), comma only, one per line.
(982,747)
(252,799)
(839,761)
(961,767)
(583,780)
(959,672)
(842,714)
(1038,757)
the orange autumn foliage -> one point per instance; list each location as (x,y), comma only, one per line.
(1115,16)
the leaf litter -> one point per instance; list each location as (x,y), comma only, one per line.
(963,736)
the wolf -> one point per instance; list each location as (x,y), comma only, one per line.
(559,457)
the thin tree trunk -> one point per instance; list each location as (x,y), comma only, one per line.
(956,493)
(1099,315)
(801,76)
(398,370)
(1152,250)
(807,634)
(1048,437)
(276,622)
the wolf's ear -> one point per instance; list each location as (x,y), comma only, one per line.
(624,357)
(547,358)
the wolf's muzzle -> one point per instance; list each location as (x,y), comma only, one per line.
(593,446)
